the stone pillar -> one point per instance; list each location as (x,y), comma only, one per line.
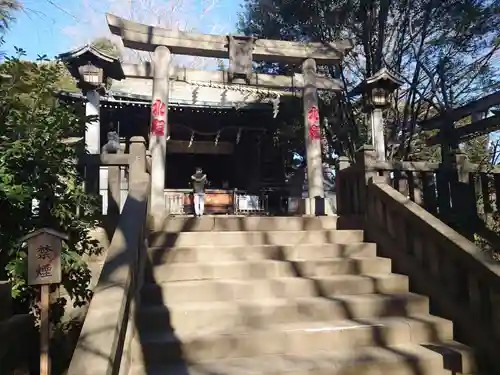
(312,136)
(378,137)
(93,130)
(158,130)
(95,177)
(138,161)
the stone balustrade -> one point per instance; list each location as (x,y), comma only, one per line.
(463,195)
(106,334)
(462,280)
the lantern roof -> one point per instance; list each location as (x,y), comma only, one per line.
(110,65)
(385,75)
(383,78)
(48,231)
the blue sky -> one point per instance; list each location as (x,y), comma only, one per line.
(54,26)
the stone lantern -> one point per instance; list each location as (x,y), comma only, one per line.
(93,71)
(376,92)
(90,75)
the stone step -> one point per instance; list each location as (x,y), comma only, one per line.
(345,266)
(255,238)
(248,253)
(293,287)
(261,313)
(178,224)
(291,338)
(398,360)
(268,269)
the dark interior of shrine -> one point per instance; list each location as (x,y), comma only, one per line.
(249,131)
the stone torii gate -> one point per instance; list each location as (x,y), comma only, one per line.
(241,51)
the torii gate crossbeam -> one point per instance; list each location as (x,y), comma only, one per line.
(146,38)
(296,81)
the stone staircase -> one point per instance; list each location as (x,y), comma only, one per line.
(271,296)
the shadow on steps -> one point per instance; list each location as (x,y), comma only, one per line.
(149,367)
(452,360)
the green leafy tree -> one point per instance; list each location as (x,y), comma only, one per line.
(39,182)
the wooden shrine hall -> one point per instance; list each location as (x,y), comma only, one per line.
(221,121)
(227,134)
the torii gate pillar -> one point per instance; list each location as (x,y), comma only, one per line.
(312,137)
(158,130)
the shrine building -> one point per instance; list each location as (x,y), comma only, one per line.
(225,122)
(229,133)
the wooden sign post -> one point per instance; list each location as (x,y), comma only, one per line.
(44,268)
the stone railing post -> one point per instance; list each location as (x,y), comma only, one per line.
(344,196)
(137,158)
(114,194)
(366,156)
(462,193)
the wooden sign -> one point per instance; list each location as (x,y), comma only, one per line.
(44,268)
(44,256)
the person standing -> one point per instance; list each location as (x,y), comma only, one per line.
(199,179)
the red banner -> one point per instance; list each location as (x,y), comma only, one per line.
(313,123)
(158,128)
(314,132)
(313,116)
(158,111)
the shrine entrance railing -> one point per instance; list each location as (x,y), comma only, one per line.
(105,339)
(410,210)
(465,196)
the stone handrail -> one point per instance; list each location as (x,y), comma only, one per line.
(462,195)
(462,282)
(106,334)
